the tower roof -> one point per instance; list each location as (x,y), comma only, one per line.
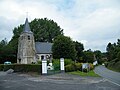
(26,26)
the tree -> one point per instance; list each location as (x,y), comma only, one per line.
(79,48)
(113,55)
(88,56)
(45,30)
(63,47)
(98,55)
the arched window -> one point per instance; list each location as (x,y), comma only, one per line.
(28,37)
(42,57)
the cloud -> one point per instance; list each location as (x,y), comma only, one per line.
(93,22)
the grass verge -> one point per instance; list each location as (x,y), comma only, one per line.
(90,73)
(113,69)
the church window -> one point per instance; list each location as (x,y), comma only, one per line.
(22,38)
(42,57)
(19,60)
(28,37)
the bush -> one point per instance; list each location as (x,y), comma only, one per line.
(114,65)
(68,61)
(23,67)
(85,70)
(70,68)
(39,62)
(1,67)
(56,64)
(106,64)
(78,66)
(91,66)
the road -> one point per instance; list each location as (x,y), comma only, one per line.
(114,77)
(53,82)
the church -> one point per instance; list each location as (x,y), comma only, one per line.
(30,51)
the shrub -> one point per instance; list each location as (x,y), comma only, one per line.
(1,67)
(7,67)
(85,70)
(114,66)
(91,66)
(39,62)
(68,61)
(78,66)
(56,64)
(106,64)
(70,68)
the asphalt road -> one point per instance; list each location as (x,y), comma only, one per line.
(114,77)
(53,82)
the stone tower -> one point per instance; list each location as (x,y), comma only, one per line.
(26,46)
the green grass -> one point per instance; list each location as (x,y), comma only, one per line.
(113,69)
(90,73)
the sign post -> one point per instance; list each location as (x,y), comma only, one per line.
(44,67)
(62,68)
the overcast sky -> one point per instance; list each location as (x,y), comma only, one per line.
(95,23)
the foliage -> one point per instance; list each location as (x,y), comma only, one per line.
(56,64)
(98,56)
(79,48)
(91,66)
(115,66)
(70,68)
(1,67)
(45,30)
(113,55)
(85,70)
(7,52)
(22,67)
(63,47)
(88,56)
(68,61)
(78,66)
(39,62)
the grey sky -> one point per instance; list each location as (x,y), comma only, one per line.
(92,22)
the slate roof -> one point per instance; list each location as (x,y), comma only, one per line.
(26,26)
(43,47)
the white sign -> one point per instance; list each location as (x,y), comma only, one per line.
(62,64)
(85,65)
(95,63)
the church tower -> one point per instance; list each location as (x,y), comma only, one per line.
(26,46)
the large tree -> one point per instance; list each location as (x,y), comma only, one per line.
(88,56)
(6,52)
(45,30)
(63,47)
(98,56)
(113,55)
(79,48)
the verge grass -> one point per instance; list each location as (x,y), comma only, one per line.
(90,73)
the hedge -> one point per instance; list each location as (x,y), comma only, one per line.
(22,67)
(114,66)
(76,67)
